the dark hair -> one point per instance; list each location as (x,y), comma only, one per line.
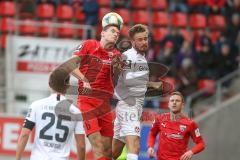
(138,28)
(178,94)
(110,25)
(59,80)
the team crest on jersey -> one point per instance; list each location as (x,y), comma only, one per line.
(197,133)
(137,129)
(182,128)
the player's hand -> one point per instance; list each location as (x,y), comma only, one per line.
(86,87)
(150,152)
(187,155)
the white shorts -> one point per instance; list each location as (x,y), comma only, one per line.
(127,121)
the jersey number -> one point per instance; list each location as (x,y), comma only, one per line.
(60,126)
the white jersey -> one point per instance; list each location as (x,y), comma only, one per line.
(53,135)
(133,80)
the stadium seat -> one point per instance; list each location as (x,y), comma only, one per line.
(102,12)
(196,2)
(45,11)
(198,21)
(7,8)
(125,14)
(104,3)
(79,15)
(208,84)
(125,30)
(159,33)
(216,22)
(158,4)
(3,42)
(7,25)
(179,19)
(64,12)
(45,29)
(164,104)
(171,80)
(215,35)
(140,17)
(160,19)
(28,27)
(65,31)
(139,4)
(186,34)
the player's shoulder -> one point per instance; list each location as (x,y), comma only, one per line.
(39,102)
(187,121)
(162,117)
(130,53)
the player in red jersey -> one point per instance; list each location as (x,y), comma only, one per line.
(91,65)
(174,130)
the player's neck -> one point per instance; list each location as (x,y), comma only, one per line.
(175,116)
(107,46)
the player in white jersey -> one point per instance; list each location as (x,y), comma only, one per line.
(53,134)
(130,90)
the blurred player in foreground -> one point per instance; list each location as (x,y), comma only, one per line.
(53,134)
(174,130)
(92,66)
(130,90)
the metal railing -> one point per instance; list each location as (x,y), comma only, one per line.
(218,94)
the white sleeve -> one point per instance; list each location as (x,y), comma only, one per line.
(79,128)
(31,115)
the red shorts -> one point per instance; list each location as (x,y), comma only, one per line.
(97,115)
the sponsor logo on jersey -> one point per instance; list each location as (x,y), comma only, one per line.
(175,136)
(143,68)
(163,125)
(197,132)
(182,128)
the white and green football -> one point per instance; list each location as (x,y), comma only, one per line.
(112,18)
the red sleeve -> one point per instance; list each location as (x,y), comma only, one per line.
(197,138)
(82,49)
(153,132)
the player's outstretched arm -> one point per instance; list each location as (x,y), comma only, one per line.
(22,141)
(155,85)
(80,144)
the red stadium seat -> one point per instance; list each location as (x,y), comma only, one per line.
(216,22)
(139,4)
(28,27)
(196,2)
(45,11)
(124,30)
(7,25)
(160,19)
(102,12)
(124,13)
(186,34)
(158,4)
(45,29)
(214,36)
(198,21)
(170,80)
(64,12)
(140,17)
(208,84)
(159,33)
(65,31)
(164,104)
(79,15)
(179,19)
(7,8)
(3,39)
(104,3)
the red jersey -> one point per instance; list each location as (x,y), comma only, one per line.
(96,66)
(174,137)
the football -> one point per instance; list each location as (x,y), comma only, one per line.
(112,18)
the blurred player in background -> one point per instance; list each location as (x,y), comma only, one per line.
(92,66)
(130,90)
(174,130)
(53,134)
